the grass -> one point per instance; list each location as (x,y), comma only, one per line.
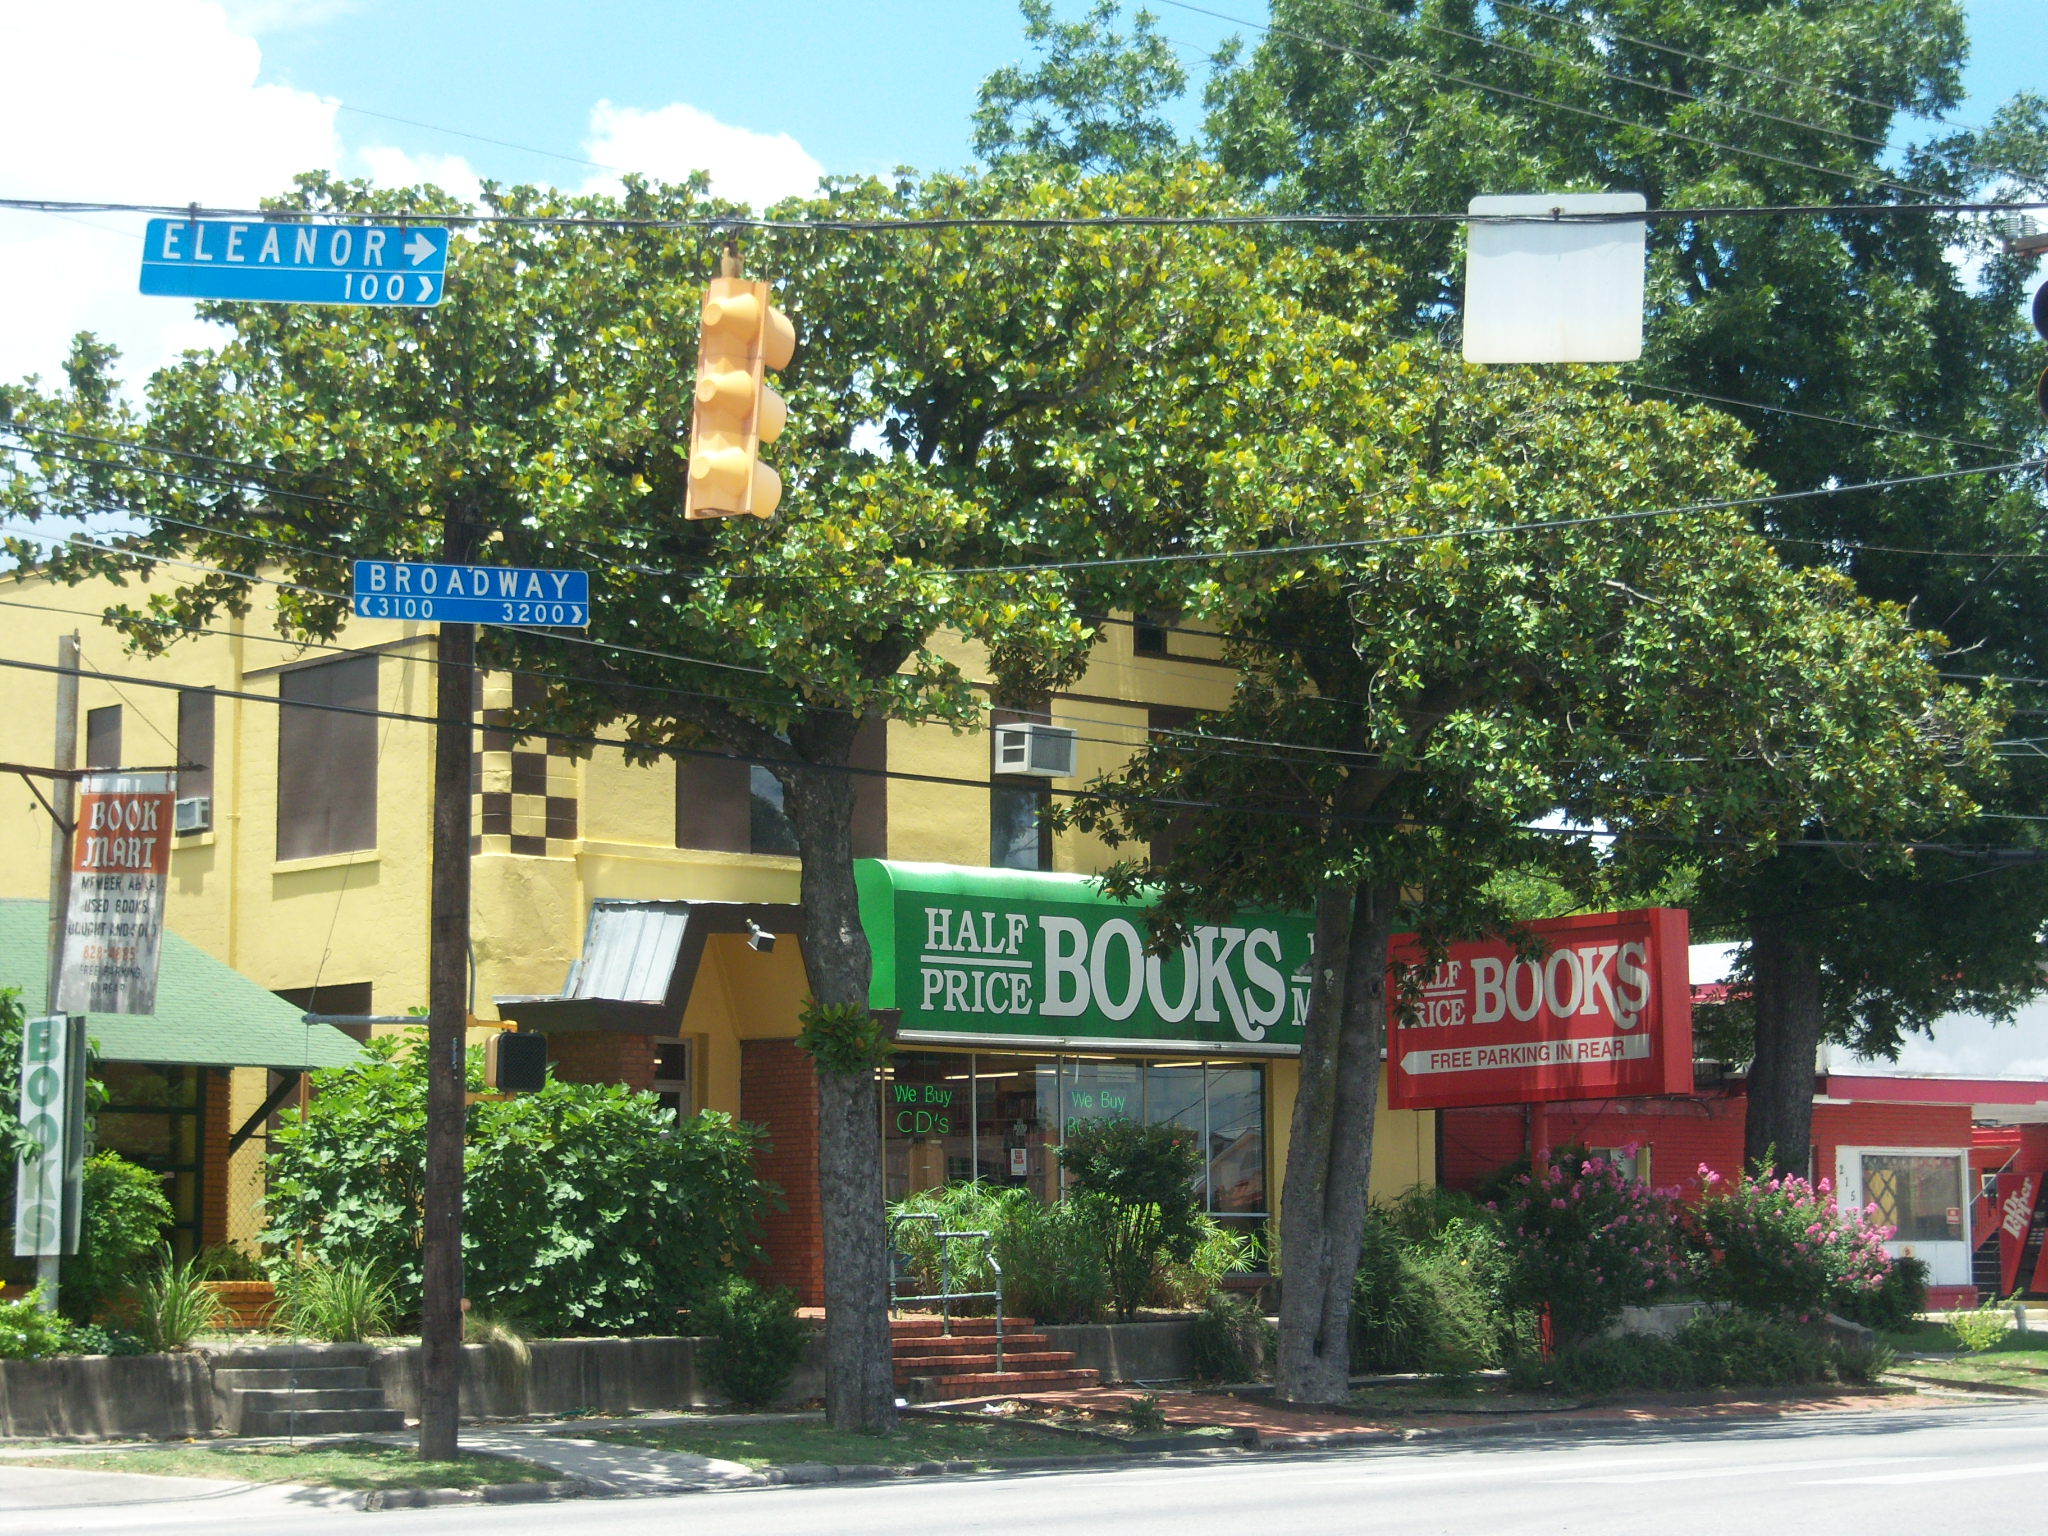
(914,1440)
(1920,1336)
(2018,1360)
(341,1465)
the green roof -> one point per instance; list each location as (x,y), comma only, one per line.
(208,1014)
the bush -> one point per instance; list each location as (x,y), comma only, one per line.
(1900,1296)
(1427,1295)
(1583,1241)
(1630,1363)
(1749,1349)
(1051,1255)
(122,1216)
(588,1208)
(1780,1245)
(757,1340)
(343,1301)
(1980,1329)
(1713,1350)
(1137,1181)
(1192,1281)
(174,1305)
(27,1332)
(1230,1339)
(226,1261)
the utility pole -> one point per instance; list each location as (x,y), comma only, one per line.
(447,1026)
(63,813)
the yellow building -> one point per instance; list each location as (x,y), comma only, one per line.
(622,910)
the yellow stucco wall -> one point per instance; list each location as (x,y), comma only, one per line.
(362,916)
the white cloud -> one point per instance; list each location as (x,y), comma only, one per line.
(671,142)
(390,167)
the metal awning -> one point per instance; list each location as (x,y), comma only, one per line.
(639,963)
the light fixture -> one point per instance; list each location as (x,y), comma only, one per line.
(759,939)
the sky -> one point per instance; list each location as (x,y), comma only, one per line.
(169,101)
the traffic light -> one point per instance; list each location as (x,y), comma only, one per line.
(743,334)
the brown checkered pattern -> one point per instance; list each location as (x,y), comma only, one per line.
(523,797)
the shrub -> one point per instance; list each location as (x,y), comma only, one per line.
(122,1216)
(174,1306)
(1629,1363)
(587,1207)
(226,1261)
(1138,1181)
(1863,1363)
(342,1301)
(1051,1254)
(757,1340)
(1980,1329)
(1900,1296)
(1192,1281)
(27,1332)
(1230,1339)
(1427,1293)
(1780,1245)
(1584,1241)
(1144,1414)
(1716,1349)
(1750,1349)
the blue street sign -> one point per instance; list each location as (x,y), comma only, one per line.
(273,262)
(471,594)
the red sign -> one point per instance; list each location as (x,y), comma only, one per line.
(1603,1011)
(2020,1220)
(120,861)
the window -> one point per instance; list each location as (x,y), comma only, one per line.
(672,1077)
(1918,1193)
(103,737)
(152,1116)
(1148,634)
(195,742)
(729,805)
(327,759)
(1629,1164)
(1019,836)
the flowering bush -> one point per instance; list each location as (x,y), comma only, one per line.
(1583,1240)
(1781,1245)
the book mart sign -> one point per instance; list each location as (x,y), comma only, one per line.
(52,1116)
(120,861)
(1044,961)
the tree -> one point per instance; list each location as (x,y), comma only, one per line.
(1493,650)
(1813,326)
(544,406)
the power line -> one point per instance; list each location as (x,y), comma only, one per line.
(1399,821)
(1839,421)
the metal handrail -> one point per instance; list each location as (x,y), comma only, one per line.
(945,1296)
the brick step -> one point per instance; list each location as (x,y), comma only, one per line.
(989,1383)
(946,1343)
(965,1365)
(312,1378)
(322,1421)
(920,1327)
(304,1401)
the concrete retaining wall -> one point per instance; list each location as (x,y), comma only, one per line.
(107,1397)
(1159,1351)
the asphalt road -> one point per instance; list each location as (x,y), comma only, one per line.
(1977,1470)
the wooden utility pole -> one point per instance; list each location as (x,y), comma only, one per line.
(447,1030)
(63,814)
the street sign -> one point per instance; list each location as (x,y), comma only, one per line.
(1545,282)
(274,262)
(471,594)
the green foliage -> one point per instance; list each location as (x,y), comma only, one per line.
(1230,1339)
(122,1217)
(1052,1256)
(343,1301)
(1714,1350)
(1982,1327)
(1191,1281)
(1144,1414)
(1900,1297)
(1744,1349)
(842,1037)
(1776,1244)
(1583,1241)
(173,1305)
(1137,1181)
(1094,100)
(1427,1294)
(1865,1362)
(229,1261)
(27,1332)
(588,1208)
(757,1340)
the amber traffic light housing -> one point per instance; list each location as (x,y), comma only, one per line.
(742,336)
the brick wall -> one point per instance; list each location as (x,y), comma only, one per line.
(1885,1125)
(602,1056)
(779,1092)
(1680,1133)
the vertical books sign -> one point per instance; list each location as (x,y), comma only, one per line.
(120,860)
(52,1115)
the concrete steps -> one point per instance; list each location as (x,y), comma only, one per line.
(933,1364)
(318,1389)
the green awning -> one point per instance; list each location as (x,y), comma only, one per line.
(208,1014)
(1047,962)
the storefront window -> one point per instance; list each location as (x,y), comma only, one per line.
(953,1116)
(1919,1194)
(152,1118)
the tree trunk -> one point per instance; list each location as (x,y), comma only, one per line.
(860,1382)
(1778,1128)
(447,1035)
(1329,1152)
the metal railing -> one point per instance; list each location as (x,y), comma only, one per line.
(946,1295)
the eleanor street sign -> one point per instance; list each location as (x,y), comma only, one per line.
(274,262)
(470,594)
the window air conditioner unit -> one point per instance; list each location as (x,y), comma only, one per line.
(194,813)
(1034,748)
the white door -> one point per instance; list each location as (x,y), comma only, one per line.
(1918,1190)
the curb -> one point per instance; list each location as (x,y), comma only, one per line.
(490,1493)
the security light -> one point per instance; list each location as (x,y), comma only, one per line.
(759,939)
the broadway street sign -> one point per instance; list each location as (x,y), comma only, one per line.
(273,262)
(470,594)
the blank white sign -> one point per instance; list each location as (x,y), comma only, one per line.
(1539,289)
